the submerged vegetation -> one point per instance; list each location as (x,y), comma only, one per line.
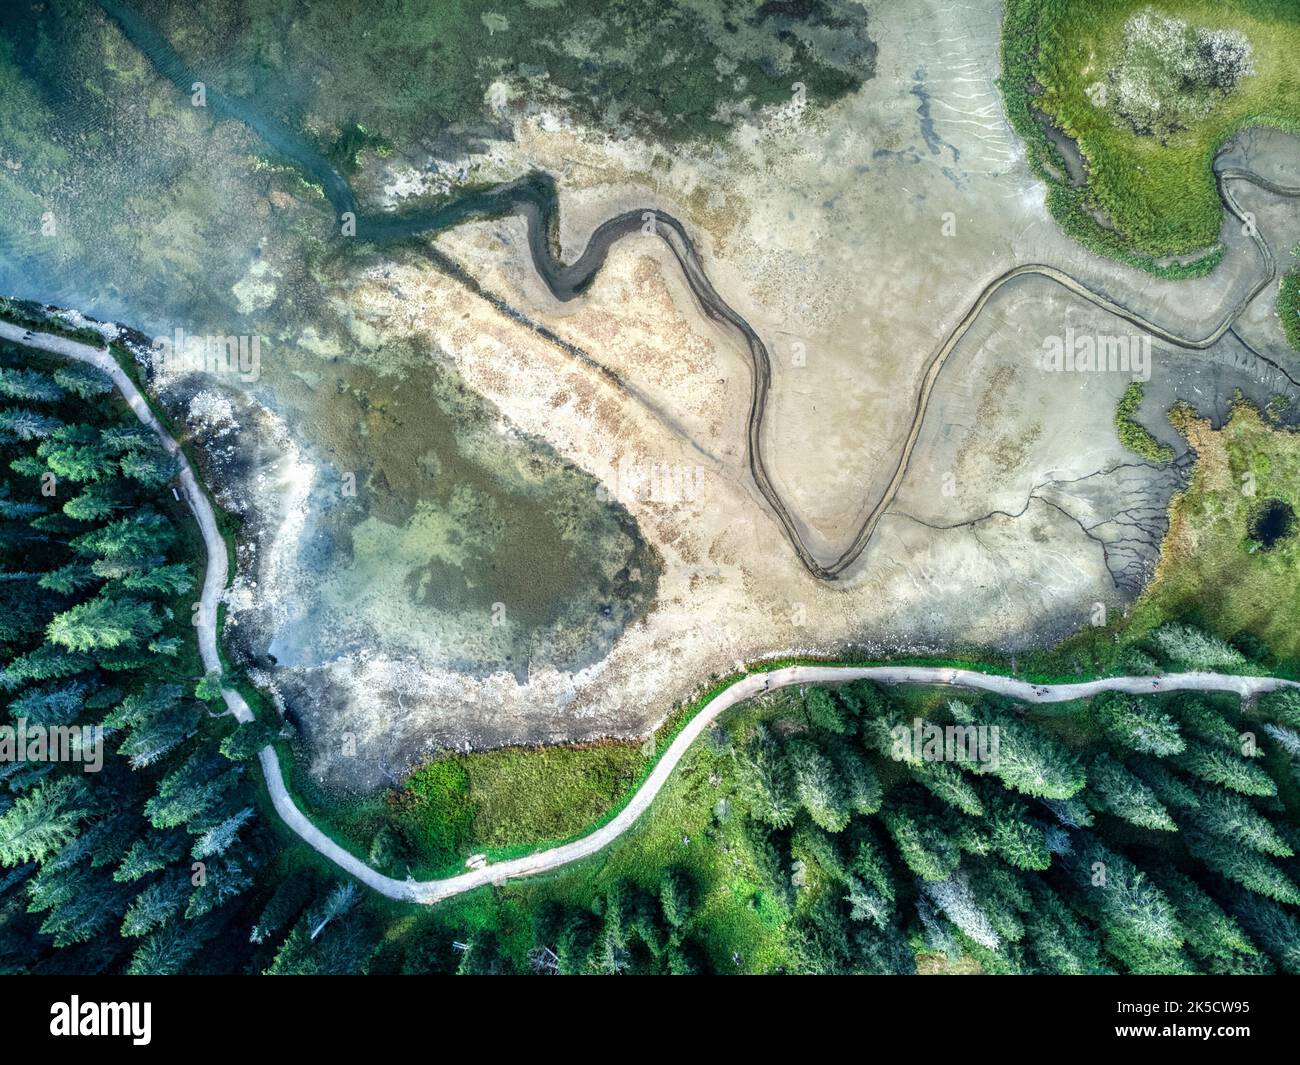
(1148,93)
(404,69)
(808,831)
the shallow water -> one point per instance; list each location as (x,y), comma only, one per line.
(463,542)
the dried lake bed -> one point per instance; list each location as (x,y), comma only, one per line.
(478,515)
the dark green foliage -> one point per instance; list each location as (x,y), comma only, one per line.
(1007,864)
(1137,724)
(1281,706)
(628,931)
(817,785)
(1246,867)
(765,780)
(1119,792)
(1227,769)
(1288,308)
(1029,760)
(826,711)
(141,866)
(924,841)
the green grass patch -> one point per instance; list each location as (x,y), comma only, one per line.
(1132,434)
(1211,572)
(1288,308)
(523,794)
(1150,196)
(691,826)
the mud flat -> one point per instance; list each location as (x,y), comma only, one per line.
(1019,511)
(606,436)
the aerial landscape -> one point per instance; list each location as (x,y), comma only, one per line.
(649,487)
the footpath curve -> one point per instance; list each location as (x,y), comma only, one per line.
(752,684)
(217,569)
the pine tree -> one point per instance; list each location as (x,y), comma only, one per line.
(286,903)
(1169,788)
(220,838)
(81,904)
(1028,760)
(173,807)
(675,899)
(1194,649)
(858,779)
(150,854)
(1059,941)
(1276,929)
(817,785)
(73,453)
(1215,936)
(1140,923)
(1226,769)
(812,844)
(948,783)
(1137,724)
(1246,867)
(1114,789)
(955,900)
(765,786)
(338,902)
(96,501)
(167,951)
(39,823)
(104,624)
(1281,706)
(1017,838)
(69,579)
(1232,818)
(142,535)
(30,386)
(826,712)
(225,878)
(170,580)
(153,469)
(923,842)
(84,381)
(27,425)
(51,703)
(1200,720)
(155,905)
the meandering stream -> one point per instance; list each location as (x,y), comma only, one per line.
(535,200)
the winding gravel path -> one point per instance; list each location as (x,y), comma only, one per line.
(752,684)
(535,198)
(217,570)
(428,891)
(577,276)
